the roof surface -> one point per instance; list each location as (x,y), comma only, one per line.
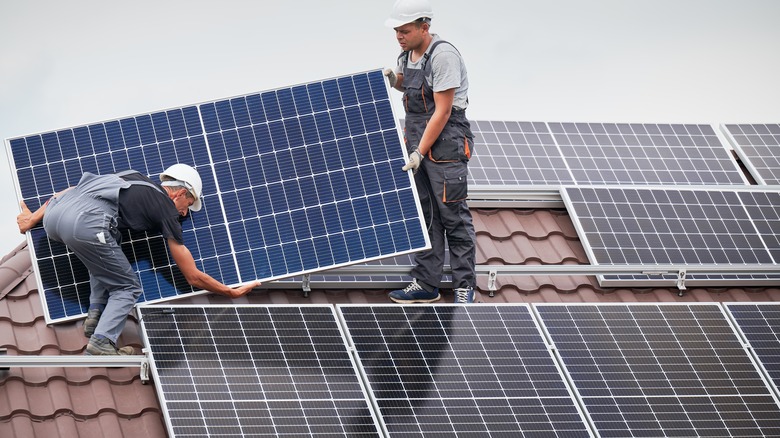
(113,402)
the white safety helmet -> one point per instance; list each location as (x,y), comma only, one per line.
(406,11)
(189,177)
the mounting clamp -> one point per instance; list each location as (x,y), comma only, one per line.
(492,274)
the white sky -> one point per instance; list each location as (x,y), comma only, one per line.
(70,63)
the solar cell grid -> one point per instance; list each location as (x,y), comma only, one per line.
(295,180)
(446,370)
(251,371)
(661,370)
(760,325)
(759,147)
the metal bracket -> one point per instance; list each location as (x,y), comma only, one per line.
(681,282)
(492,282)
(306,285)
(145,371)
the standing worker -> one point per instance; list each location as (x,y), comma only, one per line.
(88,219)
(432,76)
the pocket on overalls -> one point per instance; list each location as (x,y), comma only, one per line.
(456,184)
(93,227)
(452,145)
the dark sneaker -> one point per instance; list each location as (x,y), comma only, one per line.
(93,316)
(100,346)
(464,295)
(414,293)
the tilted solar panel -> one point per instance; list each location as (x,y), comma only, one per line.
(661,370)
(759,147)
(296,180)
(760,325)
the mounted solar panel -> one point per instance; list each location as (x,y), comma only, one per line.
(450,370)
(759,323)
(758,146)
(661,370)
(255,371)
(681,227)
(296,180)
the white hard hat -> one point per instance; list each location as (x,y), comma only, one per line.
(191,179)
(406,11)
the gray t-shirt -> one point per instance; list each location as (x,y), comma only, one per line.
(448,70)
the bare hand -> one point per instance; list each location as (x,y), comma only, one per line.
(24,219)
(242,290)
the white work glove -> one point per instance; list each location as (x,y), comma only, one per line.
(415,158)
(390,76)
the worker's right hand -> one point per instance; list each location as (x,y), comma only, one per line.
(390,76)
(415,158)
(24,219)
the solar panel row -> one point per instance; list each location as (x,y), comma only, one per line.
(759,147)
(480,370)
(295,180)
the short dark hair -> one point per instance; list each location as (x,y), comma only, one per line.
(419,22)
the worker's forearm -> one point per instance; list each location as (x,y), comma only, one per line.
(433,130)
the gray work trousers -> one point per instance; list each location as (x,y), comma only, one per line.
(87,225)
(449,223)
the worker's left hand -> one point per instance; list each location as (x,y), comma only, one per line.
(24,219)
(244,289)
(390,76)
(415,158)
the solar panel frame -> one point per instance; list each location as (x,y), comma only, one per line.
(218,138)
(297,383)
(670,369)
(758,146)
(485,358)
(649,226)
(759,325)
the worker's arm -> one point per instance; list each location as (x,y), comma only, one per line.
(443,101)
(26,220)
(200,280)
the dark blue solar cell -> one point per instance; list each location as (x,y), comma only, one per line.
(121,160)
(285,161)
(183,151)
(105,164)
(300,159)
(51,147)
(354,245)
(224,178)
(278,198)
(114,134)
(378,146)
(324,189)
(332,156)
(271,106)
(217,147)
(262,201)
(67,144)
(309,130)
(246,137)
(199,151)
(301,98)
(386,118)
(130,134)
(330,214)
(416,237)
(246,265)
(347,91)
(377,209)
(308,191)
(58,176)
(355,121)
(162,130)
(294,195)
(384,173)
(317,97)
(332,94)
(294,133)
(358,153)
(378,85)
(254,233)
(73,172)
(370,118)
(278,135)
(338,248)
(83,141)
(192,120)
(339,119)
(369,178)
(255,170)
(239,237)
(325,127)
(308,255)
(240,111)
(240,174)
(176,121)
(338,182)
(323,251)
(370,245)
(153,161)
(35,150)
(385,239)
(262,264)
(225,115)
(254,104)
(99,140)
(167,154)
(363,89)
(208,112)
(276,259)
(89,164)
(42,180)
(292,258)
(232,145)
(362,213)
(19,153)
(136,157)
(286,103)
(347,215)
(263,139)
(407,203)
(316,158)
(145,129)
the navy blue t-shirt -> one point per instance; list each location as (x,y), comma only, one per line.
(142,208)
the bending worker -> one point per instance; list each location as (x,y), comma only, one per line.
(432,76)
(88,219)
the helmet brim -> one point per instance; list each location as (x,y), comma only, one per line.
(392,23)
(196,206)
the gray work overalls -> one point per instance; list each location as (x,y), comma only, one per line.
(85,219)
(441,182)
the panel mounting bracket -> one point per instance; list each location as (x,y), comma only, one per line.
(492,274)
(306,285)
(144,370)
(681,281)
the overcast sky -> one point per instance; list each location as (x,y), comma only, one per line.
(654,61)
